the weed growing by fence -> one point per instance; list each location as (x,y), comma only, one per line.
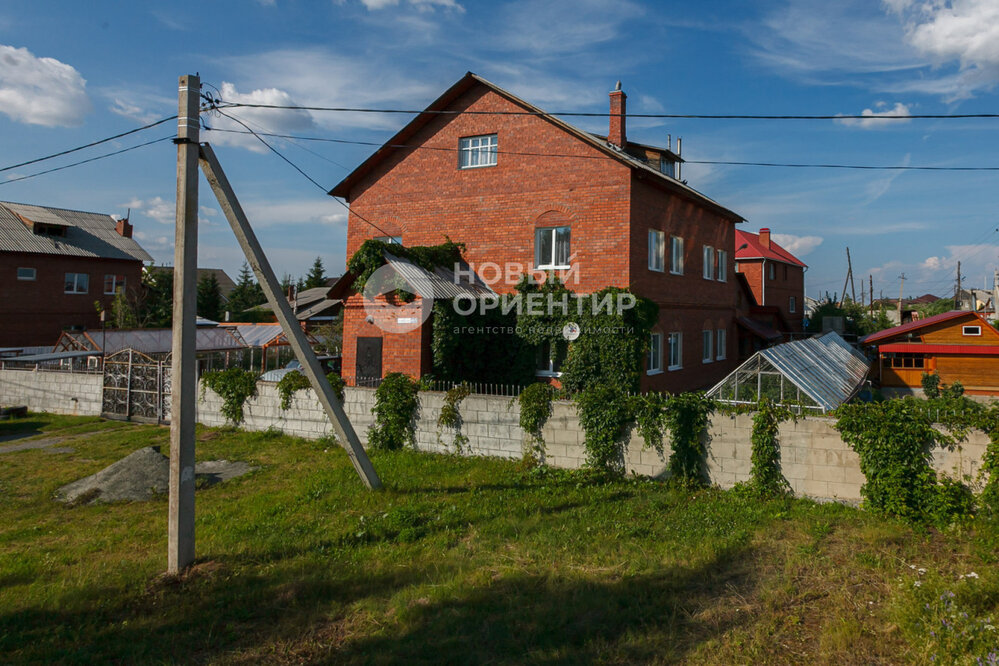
(235,387)
(395,408)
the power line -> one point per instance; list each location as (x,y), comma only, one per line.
(92,159)
(299,170)
(89,145)
(788,165)
(580,114)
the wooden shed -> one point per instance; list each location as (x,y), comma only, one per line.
(958,345)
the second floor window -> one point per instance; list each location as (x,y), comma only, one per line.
(552,247)
(477,151)
(77,283)
(707,353)
(791,305)
(709,262)
(114,283)
(675,351)
(657,251)
(676,255)
(773,272)
(721,343)
(722,265)
(26,273)
(655,360)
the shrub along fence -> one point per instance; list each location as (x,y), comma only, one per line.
(814,458)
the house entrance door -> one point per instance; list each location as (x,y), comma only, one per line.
(369,361)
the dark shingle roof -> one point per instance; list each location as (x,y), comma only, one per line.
(87,234)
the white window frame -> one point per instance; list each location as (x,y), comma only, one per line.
(707,346)
(549,263)
(476,152)
(654,360)
(971,330)
(389,239)
(791,304)
(27,273)
(675,341)
(721,344)
(722,266)
(676,255)
(551,371)
(76,283)
(657,250)
(708,271)
(114,283)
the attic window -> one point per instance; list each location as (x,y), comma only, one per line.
(667,166)
(971,330)
(477,151)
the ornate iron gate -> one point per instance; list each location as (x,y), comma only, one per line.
(136,387)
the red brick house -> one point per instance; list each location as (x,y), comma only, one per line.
(775,276)
(54,264)
(958,346)
(526,191)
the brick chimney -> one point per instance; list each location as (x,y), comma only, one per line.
(618,108)
(765,237)
(123,228)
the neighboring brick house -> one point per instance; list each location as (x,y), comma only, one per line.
(54,264)
(775,276)
(527,191)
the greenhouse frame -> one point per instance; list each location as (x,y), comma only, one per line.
(815,374)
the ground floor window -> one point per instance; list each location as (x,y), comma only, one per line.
(655,361)
(675,351)
(903,360)
(549,363)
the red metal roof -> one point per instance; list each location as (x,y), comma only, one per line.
(920,348)
(929,321)
(755,250)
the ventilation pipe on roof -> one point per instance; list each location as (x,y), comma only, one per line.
(679,153)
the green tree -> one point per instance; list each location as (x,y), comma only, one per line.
(246,295)
(156,306)
(209,298)
(316,275)
(938,306)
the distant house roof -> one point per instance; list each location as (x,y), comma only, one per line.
(889,333)
(80,234)
(343,188)
(755,250)
(146,340)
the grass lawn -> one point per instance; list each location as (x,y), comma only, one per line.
(466,561)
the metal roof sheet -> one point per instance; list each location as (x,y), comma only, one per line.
(87,234)
(750,247)
(149,340)
(441,283)
(825,368)
(920,323)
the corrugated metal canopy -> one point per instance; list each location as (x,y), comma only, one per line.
(87,234)
(441,283)
(827,369)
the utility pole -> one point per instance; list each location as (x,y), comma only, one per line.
(871,291)
(995,294)
(848,280)
(957,294)
(184,380)
(901,288)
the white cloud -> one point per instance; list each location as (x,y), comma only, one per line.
(158,208)
(280,121)
(132,111)
(550,27)
(798,245)
(41,91)
(966,31)
(876,119)
(323,211)
(421,5)
(931,263)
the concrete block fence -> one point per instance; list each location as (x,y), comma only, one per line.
(814,458)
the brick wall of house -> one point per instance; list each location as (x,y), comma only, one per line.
(35,312)
(409,353)
(788,281)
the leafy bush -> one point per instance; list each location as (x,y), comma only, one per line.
(289,385)
(336,383)
(931,384)
(234,386)
(450,417)
(955,390)
(893,440)
(395,408)
(603,413)
(650,418)
(535,409)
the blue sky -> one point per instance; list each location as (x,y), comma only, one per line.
(74,72)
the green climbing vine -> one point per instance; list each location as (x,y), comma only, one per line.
(235,386)
(371,256)
(396,403)
(766,478)
(603,413)
(450,416)
(686,416)
(535,410)
(293,382)
(649,412)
